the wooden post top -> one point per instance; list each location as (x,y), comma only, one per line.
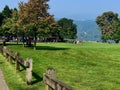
(51,72)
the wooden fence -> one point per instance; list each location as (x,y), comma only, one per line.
(26,64)
(49,77)
(52,83)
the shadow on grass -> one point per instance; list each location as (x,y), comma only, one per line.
(50,48)
(37,78)
(1,62)
(12,44)
(37,47)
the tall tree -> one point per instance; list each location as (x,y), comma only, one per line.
(34,17)
(7,12)
(1,21)
(4,15)
(1,18)
(68,29)
(9,25)
(109,24)
(15,29)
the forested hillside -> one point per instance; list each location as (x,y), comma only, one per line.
(88,30)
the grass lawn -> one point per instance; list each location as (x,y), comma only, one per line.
(86,66)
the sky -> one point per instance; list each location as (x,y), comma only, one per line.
(74,9)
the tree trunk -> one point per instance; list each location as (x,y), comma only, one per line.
(35,41)
(23,41)
(104,41)
(4,43)
(116,41)
(17,40)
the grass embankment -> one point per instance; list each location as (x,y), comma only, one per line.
(86,66)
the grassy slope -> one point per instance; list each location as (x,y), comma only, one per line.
(87,66)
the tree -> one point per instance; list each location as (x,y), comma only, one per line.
(34,17)
(15,29)
(109,25)
(9,25)
(4,15)
(68,29)
(7,12)
(1,21)
(1,18)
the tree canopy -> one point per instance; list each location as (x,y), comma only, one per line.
(7,12)
(34,17)
(4,15)
(109,24)
(68,29)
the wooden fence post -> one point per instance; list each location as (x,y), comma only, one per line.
(6,51)
(17,61)
(10,57)
(58,87)
(52,74)
(47,87)
(4,42)
(29,71)
(52,83)
(1,50)
(7,54)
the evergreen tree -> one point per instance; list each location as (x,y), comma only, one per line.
(1,21)
(7,12)
(1,18)
(4,15)
(9,25)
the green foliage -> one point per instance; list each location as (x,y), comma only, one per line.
(109,24)
(7,12)
(6,27)
(1,18)
(36,14)
(68,29)
(10,26)
(1,21)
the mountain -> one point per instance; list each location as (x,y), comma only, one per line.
(88,30)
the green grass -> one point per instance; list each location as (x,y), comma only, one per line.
(86,66)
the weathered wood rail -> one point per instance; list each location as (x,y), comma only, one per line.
(52,83)
(26,64)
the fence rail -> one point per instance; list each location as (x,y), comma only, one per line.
(15,57)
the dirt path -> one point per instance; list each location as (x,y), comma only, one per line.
(3,85)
